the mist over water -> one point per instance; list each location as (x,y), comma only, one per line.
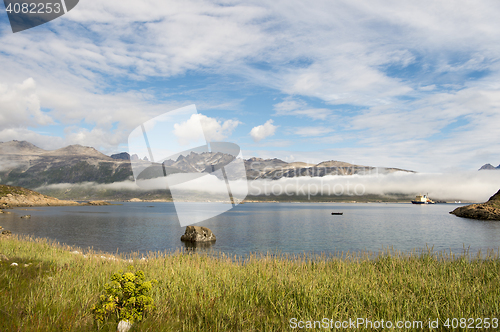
(473,186)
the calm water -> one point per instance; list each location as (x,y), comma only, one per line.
(261,227)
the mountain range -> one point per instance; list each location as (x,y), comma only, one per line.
(24,164)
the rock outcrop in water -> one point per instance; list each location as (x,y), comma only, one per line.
(198,234)
(484,211)
(97,203)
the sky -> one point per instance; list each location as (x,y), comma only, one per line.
(413,85)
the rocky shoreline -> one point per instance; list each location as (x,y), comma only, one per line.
(484,211)
(11,197)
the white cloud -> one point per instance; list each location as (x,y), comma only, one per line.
(297,107)
(260,132)
(20,106)
(44,141)
(312,131)
(344,80)
(427,87)
(217,130)
(426,134)
(289,105)
(214,130)
(96,137)
(75,69)
(350,45)
(354,52)
(275,143)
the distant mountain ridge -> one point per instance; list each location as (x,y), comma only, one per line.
(488,167)
(26,148)
(24,164)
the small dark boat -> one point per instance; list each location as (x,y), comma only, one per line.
(337,213)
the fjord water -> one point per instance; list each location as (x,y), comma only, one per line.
(262,227)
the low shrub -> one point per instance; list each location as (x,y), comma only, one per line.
(126,297)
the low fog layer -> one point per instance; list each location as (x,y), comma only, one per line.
(475,186)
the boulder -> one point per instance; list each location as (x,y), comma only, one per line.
(198,234)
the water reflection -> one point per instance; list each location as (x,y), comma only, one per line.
(197,246)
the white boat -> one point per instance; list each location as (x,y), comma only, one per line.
(422,199)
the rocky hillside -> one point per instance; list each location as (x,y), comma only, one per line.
(484,211)
(16,196)
(23,164)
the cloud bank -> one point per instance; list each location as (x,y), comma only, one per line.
(464,186)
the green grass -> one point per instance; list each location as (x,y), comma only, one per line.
(198,292)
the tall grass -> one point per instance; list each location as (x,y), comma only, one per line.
(198,292)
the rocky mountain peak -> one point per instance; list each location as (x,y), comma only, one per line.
(255,159)
(121,156)
(334,163)
(77,150)
(20,147)
(488,166)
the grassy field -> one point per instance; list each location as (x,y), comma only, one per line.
(53,289)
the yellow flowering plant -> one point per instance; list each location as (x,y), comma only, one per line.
(126,297)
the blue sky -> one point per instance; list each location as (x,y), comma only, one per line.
(413,85)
